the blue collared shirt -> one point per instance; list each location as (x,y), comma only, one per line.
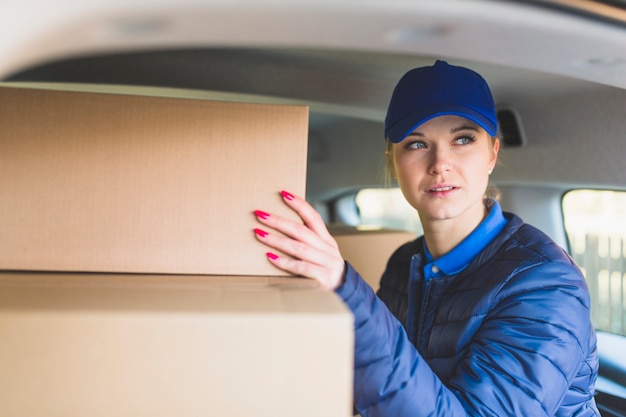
(461,255)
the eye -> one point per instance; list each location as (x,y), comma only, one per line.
(416,144)
(464,140)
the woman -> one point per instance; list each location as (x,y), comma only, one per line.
(483,315)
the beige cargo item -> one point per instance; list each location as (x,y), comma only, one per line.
(131,283)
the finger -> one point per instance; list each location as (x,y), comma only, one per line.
(327,267)
(309,216)
(293,229)
(328,281)
(304,251)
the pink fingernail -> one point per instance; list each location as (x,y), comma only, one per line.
(286,195)
(260,232)
(261,214)
(272,256)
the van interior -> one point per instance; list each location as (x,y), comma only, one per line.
(558,73)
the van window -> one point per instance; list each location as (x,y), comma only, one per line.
(596,230)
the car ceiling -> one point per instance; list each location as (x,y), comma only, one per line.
(342,59)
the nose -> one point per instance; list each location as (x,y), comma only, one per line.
(440,160)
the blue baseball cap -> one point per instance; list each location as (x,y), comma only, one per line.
(442,89)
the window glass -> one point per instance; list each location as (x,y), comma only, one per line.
(386,208)
(596,229)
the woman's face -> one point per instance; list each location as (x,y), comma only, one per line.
(443,168)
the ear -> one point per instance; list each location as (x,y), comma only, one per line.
(495,150)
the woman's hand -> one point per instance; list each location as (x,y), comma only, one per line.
(313,253)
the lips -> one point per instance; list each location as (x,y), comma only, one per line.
(441,188)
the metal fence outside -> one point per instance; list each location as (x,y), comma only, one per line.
(602,259)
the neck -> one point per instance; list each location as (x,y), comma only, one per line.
(443,235)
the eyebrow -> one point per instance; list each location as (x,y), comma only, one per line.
(453,130)
(465,127)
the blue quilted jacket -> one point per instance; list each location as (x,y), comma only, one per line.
(510,335)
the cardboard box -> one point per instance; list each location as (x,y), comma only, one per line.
(369,250)
(183,315)
(114,183)
(136,345)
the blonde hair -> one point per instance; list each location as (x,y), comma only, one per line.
(388,174)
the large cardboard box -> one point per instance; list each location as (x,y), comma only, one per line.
(369,250)
(133,345)
(114,183)
(132,284)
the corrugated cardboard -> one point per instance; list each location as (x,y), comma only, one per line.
(113,183)
(369,250)
(133,345)
(93,182)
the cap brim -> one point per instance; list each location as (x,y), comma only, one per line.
(409,122)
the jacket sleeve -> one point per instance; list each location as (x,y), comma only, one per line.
(521,361)
(391,378)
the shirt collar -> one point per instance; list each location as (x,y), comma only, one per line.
(461,255)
